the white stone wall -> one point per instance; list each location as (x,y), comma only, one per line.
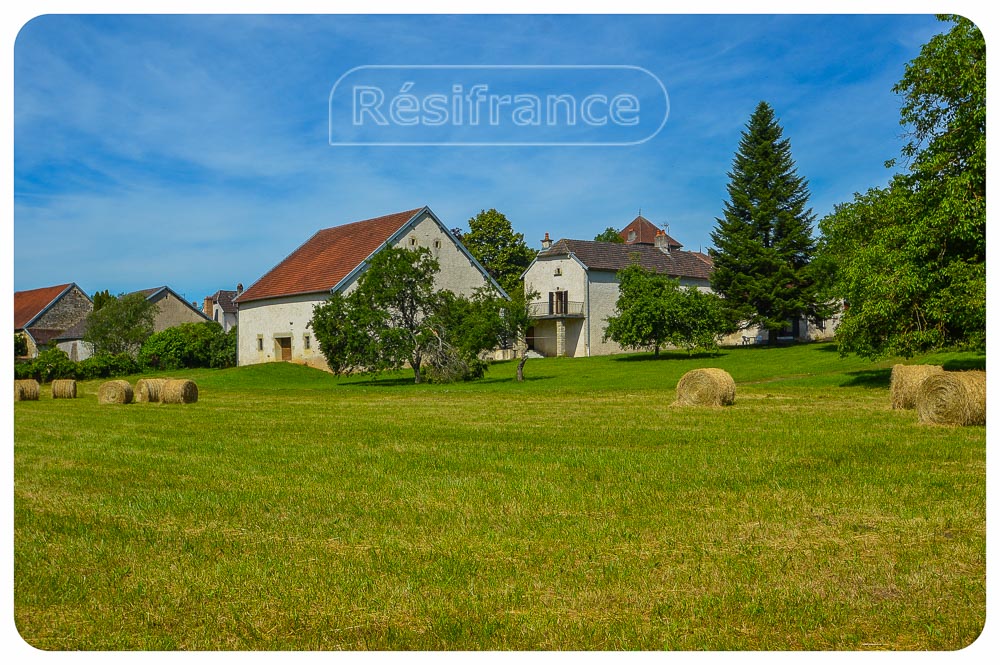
(267,320)
(82,350)
(226,320)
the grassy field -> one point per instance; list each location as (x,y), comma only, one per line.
(289,509)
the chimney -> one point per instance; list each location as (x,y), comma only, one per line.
(208,307)
(239,288)
(546,241)
(660,242)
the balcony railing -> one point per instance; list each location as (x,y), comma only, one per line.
(555,309)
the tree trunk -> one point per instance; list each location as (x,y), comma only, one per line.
(415,363)
(520,368)
(656,350)
(772,337)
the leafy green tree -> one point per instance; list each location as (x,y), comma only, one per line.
(654,310)
(384,323)
(764,243)
(911,258)
(121,325)
(696,319)
(641,318)
(102,298)
(500,250)
(20,345)
(609,235)
(516,318)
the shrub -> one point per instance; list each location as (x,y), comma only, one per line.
(105,365)
(50,364)
(185,346)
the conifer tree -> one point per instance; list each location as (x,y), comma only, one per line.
(763,243)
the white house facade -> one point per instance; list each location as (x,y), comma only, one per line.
(577,284)
(276,310)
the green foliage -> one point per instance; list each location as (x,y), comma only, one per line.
(383,323)
(641,318)
(911,258)
(504,254)
(609,234)
(201,344)
(121,325)
(653,310)
(104,366)
(763,243)
(50,364)
(102,298)
(20,345)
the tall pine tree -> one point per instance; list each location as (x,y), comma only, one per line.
(764,244)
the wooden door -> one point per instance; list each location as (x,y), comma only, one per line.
(285,344)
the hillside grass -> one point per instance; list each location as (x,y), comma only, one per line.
(289,509)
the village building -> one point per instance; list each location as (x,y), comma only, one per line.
(275,311)
(220,307)
(577,282)
(41,315)
(171,310)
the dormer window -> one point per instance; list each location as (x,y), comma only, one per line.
(631,236)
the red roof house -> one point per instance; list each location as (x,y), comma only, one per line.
(275,311)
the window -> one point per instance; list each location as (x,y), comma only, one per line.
(558,272)
(437,244)
(413,242)
(558,302)
(216,316)
(631,236)
(260,342)
(305,341)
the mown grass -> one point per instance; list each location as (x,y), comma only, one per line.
(289,509)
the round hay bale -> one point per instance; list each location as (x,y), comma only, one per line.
(905,381)
(149,390)
(115,392)
(64,389)
(953,398)
(179,391)
(25,390)
(706,387)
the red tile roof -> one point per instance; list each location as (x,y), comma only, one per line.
(29,304)
(645,233)
(326,258)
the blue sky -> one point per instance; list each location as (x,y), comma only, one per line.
(193,150)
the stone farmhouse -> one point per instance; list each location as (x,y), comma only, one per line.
(171,310)
(44,314)
(275,311)
(578,285)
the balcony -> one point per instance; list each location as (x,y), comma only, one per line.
(558,309)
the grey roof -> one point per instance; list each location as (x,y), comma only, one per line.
(615,256)
(225,300)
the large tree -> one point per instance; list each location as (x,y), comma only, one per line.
(382,324)
(911,258)
(763,242)
(504,254)
(121,325)
(395,317)
(653,310)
